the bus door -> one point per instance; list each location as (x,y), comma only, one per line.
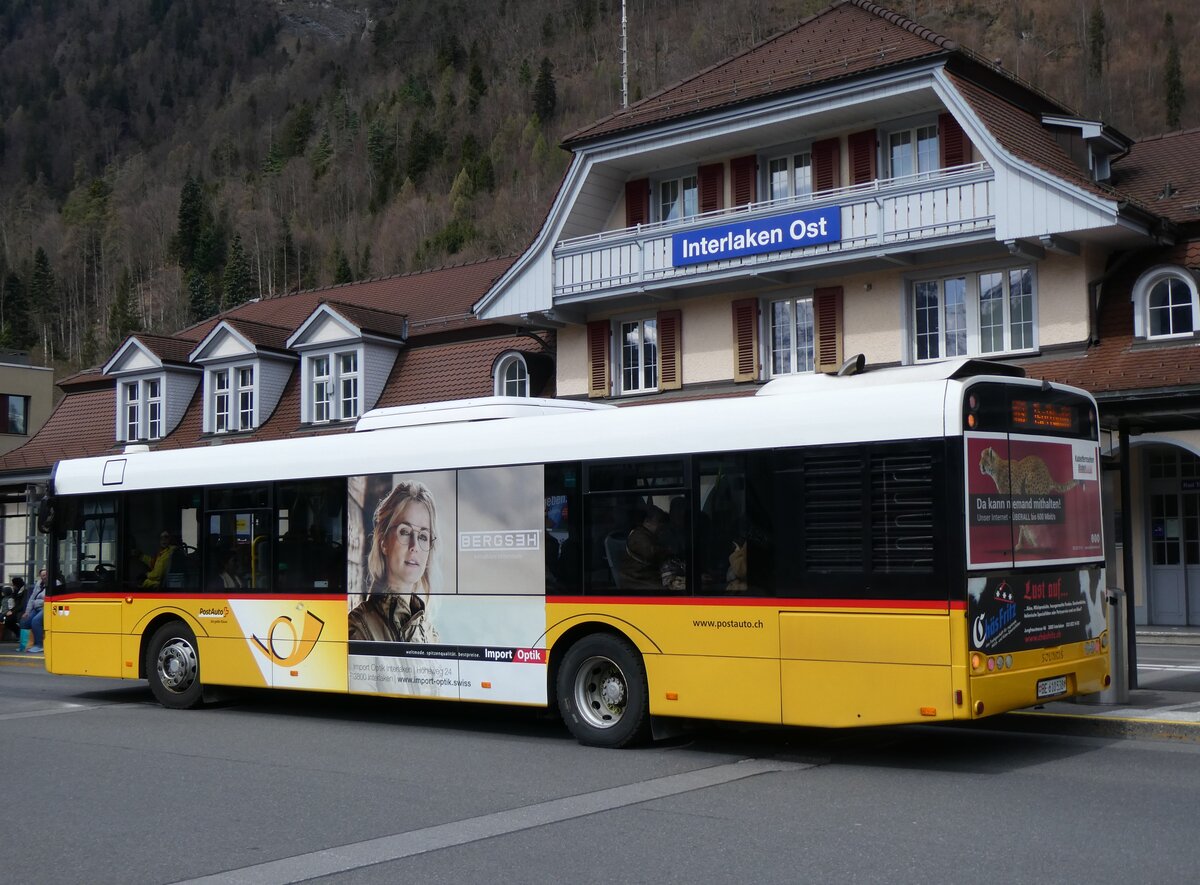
(84,610)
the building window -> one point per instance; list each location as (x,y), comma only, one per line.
(679,198)
(913,151)
(14,414)
(1166,304)
(639,355)
(792,334)
(512,376)
(789,176)
(245,376)
(133,420)
(975,314)
(334,386)
(221,401)
(154,405)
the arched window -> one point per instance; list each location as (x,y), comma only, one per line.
(512,376)
(1166,304)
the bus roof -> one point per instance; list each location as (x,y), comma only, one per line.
(920,402)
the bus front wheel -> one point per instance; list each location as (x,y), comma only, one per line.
(602,692)
(173,666)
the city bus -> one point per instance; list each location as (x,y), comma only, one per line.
(898,545)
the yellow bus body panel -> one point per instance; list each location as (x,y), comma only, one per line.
(856,668)
(84,637)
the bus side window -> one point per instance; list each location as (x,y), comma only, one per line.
(733,526)
(564,530)
(161,540)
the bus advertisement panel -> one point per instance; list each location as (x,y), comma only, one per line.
(446,592)
(1035,610)
(1032,500)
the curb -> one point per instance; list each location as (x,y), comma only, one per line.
(1099,725)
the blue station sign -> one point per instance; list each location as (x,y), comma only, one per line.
(796,230)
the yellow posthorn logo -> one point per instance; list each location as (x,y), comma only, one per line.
(301,647)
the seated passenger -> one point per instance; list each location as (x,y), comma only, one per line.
(645,553)
(158,563)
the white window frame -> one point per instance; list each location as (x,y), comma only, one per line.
(684,185)
(512,376)
(790,185)
(142,408)
(336,393)
(1143,292)
(947,312)
(245,396)
(918,163)
(641,377)
(792,356)
(221,399)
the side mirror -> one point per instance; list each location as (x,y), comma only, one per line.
(45,516)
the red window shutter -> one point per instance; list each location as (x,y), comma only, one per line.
(597,348)
(670,350)
(827,158)
(827,310)
(952,142)
(743,176)
(712,187)
(745,339)
(862,146)
(637,202)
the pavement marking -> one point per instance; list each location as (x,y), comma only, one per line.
(331,861)
(1178,668)
(66,708)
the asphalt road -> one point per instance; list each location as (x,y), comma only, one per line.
(103,786)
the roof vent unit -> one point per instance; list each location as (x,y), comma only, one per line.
(485,408)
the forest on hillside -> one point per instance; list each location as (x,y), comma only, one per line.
(161,160)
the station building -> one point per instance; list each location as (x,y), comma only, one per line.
(862,185)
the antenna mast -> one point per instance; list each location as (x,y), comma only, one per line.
(624,59)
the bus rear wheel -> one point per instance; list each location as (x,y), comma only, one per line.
(173,666)
(602,692)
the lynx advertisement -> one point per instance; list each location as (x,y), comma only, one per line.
(446,593)
(1018,612)
(1032,501)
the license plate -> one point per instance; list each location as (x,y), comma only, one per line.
(1048,688)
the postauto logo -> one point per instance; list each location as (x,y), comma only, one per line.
(285,647)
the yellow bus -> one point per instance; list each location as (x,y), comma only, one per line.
(915,544)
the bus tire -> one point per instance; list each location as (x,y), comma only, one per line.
(173,666)
(602,693)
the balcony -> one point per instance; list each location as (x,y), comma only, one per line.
(883,217)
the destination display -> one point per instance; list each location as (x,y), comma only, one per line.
(795,230)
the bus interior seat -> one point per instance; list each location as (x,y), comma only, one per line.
(614,552)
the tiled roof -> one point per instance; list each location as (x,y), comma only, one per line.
(260,334)
(167,348)
(430,374)
(1164,173)
(81,424)
(846,39)
(1119,363)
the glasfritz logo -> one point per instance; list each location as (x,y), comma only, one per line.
(286,648)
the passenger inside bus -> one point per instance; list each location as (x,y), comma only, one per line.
(647,553)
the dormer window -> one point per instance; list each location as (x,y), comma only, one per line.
(334,386)
(142,407)
(232,398)
(1166,304)
(512,376)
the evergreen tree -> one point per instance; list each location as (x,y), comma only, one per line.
(122,315)
(344,273)
(322,154)
(192,216)
(1174,77)
(476,86)
(43,300)
(237,281)
(545,97)
(201,303)
(18,330)
(1097,40)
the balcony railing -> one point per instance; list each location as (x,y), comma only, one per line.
(882,215)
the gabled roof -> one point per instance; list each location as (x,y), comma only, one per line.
(254,337)
(163,349)
(849,38)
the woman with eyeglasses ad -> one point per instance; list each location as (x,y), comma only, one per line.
(404,541)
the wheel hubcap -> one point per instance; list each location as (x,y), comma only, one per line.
(177,667)
(601,692)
